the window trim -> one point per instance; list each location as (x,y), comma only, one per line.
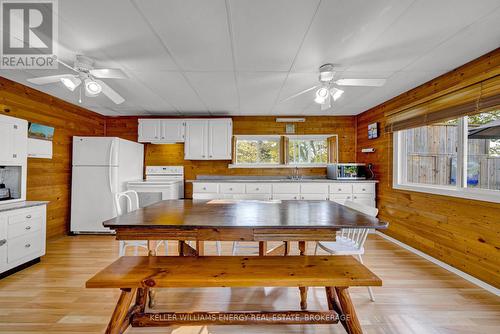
(459,190)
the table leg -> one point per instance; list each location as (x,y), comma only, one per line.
(262,248)
(200,248)
(151,292)
(303,289)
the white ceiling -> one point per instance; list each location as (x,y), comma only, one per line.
(242,57)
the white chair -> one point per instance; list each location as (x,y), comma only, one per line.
(132,204)
(350,241)
(237,246)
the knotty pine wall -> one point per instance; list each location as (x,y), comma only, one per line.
(50,179)
(173,154)
(463,233)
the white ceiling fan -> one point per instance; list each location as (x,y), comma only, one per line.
(326,92)
(86,74)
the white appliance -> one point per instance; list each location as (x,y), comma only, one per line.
(161,183)
(101,167)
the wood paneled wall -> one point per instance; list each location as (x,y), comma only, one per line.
(463,233)
(173,154)
(50,179)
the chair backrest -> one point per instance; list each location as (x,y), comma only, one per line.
(357,235)
(132,201)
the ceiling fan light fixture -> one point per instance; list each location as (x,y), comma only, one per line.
(321,95)
(336,93)
(71,83)
(92,87)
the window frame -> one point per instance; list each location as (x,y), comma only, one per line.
(256,137)
(459,190)
(282,140)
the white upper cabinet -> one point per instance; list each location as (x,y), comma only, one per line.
(13,140)
(161,130)
(196,144)
(220,132)
(172,130)
(149,130)
(208,139)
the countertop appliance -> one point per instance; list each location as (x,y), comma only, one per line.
(161,183)
(346,171)
(101,167)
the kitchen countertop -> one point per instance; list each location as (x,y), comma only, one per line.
(273,180)
(21,205)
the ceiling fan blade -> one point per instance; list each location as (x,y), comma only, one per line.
(108,73)
(361,82)
(110,92)
(299,93)
(49,79)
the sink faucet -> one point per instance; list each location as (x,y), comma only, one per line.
(296,174)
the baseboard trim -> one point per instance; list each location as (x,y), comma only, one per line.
(446,266)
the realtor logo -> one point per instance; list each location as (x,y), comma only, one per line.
(29,34)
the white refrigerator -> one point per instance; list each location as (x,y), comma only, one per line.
(101,167)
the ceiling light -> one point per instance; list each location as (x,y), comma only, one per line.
(321,95)
(326,73)
(336,93)
(92,87)
(71,82)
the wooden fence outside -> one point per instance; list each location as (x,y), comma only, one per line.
(432,157)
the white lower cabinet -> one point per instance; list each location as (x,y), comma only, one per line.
(22,236)
(360,192)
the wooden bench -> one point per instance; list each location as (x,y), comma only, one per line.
(135,275)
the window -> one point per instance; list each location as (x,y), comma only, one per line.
(257,150)
(307,150)
(271,151)
(459,157)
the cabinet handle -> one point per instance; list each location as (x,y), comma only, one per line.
(230,188)
(348,197)
(363,189)
(27,228)
(340,189)
(27,245)
(28,216)
(3,242)
(15,126)
(162,137)
(204,188)
(14,155)
(355,197)
(257,189)
(295,197)
(202,156)
(210,156)
(156,137)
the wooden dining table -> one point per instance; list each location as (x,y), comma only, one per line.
(235,220)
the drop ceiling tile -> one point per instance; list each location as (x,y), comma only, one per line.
(480,37)
(115,28)
(259,90)
(195,31)
(174,88)
(217,90)
(421,28)
(343,29)
(267,34)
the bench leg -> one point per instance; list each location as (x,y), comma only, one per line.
(303,289)
(117,323)
(333,304)
(351,319)
(152,252)
(262,248)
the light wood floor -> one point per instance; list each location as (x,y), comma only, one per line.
(417,296)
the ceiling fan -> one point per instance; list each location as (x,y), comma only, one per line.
(326,90)
(86,74)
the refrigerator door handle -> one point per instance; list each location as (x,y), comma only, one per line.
(110,168)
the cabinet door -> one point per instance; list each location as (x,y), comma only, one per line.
(196,143)
(13,139)
(364,199)
(286,196)
(173,130)
(219,139)
(149,130)
(3,241)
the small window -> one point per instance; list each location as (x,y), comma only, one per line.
(257,150)
(307,150)
(483,151)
